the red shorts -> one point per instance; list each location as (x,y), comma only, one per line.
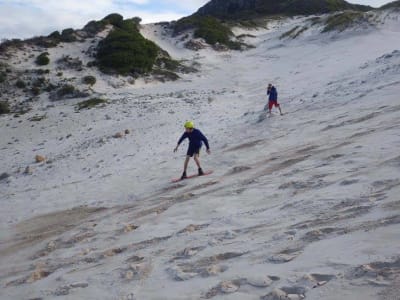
(271,103)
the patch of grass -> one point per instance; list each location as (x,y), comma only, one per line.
(209,28)
(20,84)
(42,59)
(3,77)
(90,103)
(89,80)
(342,21)
(35,91)
(294,32)
(164,75)
(66,89)
(289,33)
(4,108)
(38,118)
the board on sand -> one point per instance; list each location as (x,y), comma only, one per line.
(193,176)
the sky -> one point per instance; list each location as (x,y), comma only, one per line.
(29,18)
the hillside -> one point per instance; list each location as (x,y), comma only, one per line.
(233,9)
(299,206)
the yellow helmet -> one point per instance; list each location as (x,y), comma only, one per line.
(189,124)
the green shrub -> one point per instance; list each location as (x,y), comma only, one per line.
(126,51)
(90,103)
(91,64)
(67,35)
(55,35)
(94,27)
(4,108)
(90,80)
(43,59)
(35,90)
(39,82)
(114,19)
(66,89)
(3,77)
(342,21)
(209,28)
(212,31)
(20,84)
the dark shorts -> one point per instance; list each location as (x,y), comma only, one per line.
(271,103)
(193,150)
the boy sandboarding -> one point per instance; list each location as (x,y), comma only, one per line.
(196,139)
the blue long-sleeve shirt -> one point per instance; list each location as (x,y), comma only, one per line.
(195,138)
(273,94)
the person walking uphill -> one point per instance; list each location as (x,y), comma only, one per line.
(273,98)
(195,142)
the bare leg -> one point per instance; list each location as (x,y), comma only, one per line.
(185,165)
(279,107)
(196,158)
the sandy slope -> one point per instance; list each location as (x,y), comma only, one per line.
(303,205)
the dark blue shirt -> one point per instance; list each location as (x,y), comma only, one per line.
(273,94)
(195,138)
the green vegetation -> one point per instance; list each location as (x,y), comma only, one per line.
(4,108)
(236,10)
(89,80)
(90,103)
(35,91)
(209,28)
(212,31)
(342,21)
(125,51)
(3,77)
(66,89)
(67,35)
(114,19)
(394,4)
(20,84)
(294,32)
(43,59)
(38,118)
(289,33)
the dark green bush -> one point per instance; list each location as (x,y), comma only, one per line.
(54,35)
(66,89)
(43,59)
(114,19)
(209,28)
(91,64)
(4,108)
(20,84)
(35,90)
(67,35)
(126,51)
(94,27)
(3,77)
(90,103)
(212,31)
(90,80)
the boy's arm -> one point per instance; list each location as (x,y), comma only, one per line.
(184,136)
(205,140)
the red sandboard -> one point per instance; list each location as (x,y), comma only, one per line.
(192,176)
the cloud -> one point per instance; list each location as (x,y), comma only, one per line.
(28,18)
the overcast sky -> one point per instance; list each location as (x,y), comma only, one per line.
(28,18)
